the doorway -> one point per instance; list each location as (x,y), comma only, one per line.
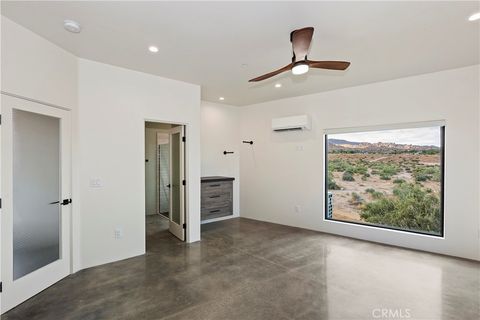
(164,180)
(36,211)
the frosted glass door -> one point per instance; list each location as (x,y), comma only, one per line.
(177,177)
(36,198)
(36,191)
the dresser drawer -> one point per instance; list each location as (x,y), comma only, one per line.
(215,200)
(216,212)
(216,187)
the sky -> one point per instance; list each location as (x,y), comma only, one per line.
(426,136)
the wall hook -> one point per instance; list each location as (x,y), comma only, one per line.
(249,142)
(227,152)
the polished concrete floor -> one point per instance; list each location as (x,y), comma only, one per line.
(245,269)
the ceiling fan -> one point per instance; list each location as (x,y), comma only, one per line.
(301,40)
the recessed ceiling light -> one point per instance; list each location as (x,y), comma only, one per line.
(153,49)
(474,17)
(221,98)
(278,85)
(72,26)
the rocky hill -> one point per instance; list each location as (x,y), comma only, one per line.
(338,145)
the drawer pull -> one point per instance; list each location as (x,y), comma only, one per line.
(215,185)
(214,197)
(212,211)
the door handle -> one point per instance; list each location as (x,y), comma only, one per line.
(63,203)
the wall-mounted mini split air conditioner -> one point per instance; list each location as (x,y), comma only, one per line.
(302,122)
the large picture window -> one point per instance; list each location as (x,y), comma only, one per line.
(386,178)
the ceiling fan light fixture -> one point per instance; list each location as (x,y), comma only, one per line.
(474,17)
(300,68)
(153,49)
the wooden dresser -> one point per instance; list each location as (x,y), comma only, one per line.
(217,197)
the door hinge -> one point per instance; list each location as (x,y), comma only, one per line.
(183,139)
(0,203)
(184,182)
(1,287)
(0,119)
(185,226)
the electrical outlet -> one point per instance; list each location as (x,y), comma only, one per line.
(118,233)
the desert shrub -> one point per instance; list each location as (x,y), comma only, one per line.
(331,184)
(373,193)
(389,170)
(365,176)
(361,169)
(338,165)
(430,169)
(356,199)
(385,170)
(385,176)
(431,172)
(421,177)
(430,151)
(398,181)
(348,176)
(377,195)
(424,173)
(410,208)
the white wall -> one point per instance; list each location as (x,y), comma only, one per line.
(115,154)
(35,68)
(220,132)
(277,174)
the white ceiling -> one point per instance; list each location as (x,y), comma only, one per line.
(221,45)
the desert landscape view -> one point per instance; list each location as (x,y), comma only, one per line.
(388,184)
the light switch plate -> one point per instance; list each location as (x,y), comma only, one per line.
(118,233)
(96,183)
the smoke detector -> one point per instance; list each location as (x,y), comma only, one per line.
(72,26)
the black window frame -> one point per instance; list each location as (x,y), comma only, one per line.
(442,187)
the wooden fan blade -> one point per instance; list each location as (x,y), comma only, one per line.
(273,73)
(331,65)
(301,40)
